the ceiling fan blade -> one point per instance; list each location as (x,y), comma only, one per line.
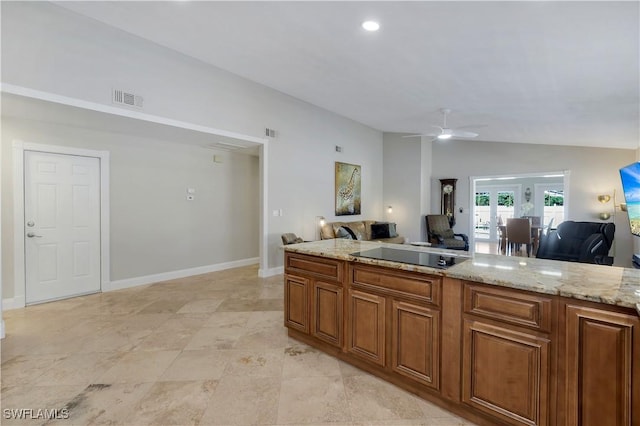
(471,126)
(463,134)
(423,134)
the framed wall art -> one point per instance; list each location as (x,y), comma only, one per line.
(348,189)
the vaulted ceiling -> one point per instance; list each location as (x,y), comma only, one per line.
(532,72)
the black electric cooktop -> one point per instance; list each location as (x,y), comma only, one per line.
(433,260)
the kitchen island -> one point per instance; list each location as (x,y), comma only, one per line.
(495,339)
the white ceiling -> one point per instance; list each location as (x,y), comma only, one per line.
(533,72)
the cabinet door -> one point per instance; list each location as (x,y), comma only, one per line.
(296,303)
(415,347)
(505,373)
(602,385)
(366,326)
(326,303)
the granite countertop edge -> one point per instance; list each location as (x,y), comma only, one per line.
(609,285)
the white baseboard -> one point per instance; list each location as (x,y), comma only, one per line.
(264,273)
(13,303)
(172,275)
(19,301)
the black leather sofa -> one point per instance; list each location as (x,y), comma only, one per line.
(585,242)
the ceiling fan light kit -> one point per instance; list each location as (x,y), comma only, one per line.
(448,132)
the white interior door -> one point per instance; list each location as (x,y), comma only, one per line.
(62,225)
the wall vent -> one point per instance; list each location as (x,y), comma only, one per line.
(121,97)
(270,133)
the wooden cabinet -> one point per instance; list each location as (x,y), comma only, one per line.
(366,326)
(506,361)
(394,321)
(296,302)
(493,354)
(326,309)
(314,297)
(602,384)
(505,373)
(415,343)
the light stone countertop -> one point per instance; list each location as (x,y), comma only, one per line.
(596,283)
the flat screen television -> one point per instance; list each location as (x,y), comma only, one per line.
(630,176)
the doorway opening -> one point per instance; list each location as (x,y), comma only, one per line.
(494,199)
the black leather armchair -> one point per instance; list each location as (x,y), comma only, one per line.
(585,242)
(439,233)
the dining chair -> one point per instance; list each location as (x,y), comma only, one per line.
(535,220)
(536,228)
(519,232)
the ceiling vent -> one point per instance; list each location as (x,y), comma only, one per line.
(270,133)
(121,97)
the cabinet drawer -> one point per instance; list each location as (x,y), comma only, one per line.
(398,283)
(318,266)
(510,306)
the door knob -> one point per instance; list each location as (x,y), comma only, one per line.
(31,235)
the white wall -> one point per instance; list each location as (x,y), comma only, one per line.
(403,180)
(154,229)
(594,171)
(48,48)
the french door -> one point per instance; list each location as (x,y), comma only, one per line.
(550,203)
(494,204)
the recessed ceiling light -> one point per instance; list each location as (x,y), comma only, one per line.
(371,25)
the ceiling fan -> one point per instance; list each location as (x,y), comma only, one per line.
(448,132)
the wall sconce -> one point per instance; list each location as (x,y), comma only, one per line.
(390,209)
(320,222)
(604,198)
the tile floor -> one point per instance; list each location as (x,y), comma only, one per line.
(209,349)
